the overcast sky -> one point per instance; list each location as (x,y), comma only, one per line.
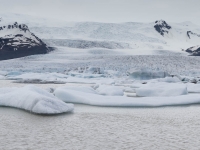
(107,10)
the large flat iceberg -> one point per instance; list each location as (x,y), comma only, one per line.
(193,88)
(110,90)
(76,96)
(161,89)
(33,99)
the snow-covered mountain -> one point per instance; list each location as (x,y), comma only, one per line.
(162,27)
(158,35)
(16,40)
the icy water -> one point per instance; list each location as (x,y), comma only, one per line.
(102,128)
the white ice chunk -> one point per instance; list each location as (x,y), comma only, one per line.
(169,79)
(84,89)
(162,89)
(129,90)
(7,90)
(75,96)
(193,88)
(110,90)
(33,99)
(13,73)
(2,77)
(90,81)
(85,75)
(146,74)
(40,76)
(3,73)
(137,85)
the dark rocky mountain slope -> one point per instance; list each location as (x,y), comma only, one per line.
(16,41)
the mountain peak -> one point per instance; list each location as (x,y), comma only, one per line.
(16,40)
(194,51)
(162,27)
(15,25)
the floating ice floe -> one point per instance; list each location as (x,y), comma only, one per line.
(7,90)
(91,98)
(2,77)
(42,76)
(33,99)
(90,81)
(193,88)
(85,75)
(57,78)
(161,89)
(39,78)
(137,85)
(13,73)
(110,90)
(146,74)
(129,90)
(84,89)
(3,73)
(169,79)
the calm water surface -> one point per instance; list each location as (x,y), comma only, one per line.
(102,128)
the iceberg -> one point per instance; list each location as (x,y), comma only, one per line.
(33,99)
(90,80)
(84,89)
(146,74)
(169,79)
(161,89)
(2,77)
(110,90)
(30,77)
(193,88)
(81,97)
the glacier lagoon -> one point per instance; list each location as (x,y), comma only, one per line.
(91,127)
(101,73)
